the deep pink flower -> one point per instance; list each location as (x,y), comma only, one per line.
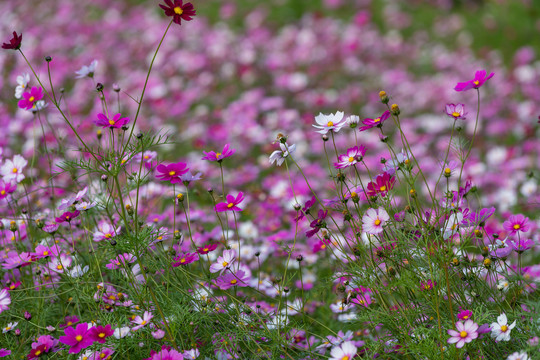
(121,260)
(37,352)
(67,216)
(5,352)
(466,332)
(207,248)
(78,338)
(47,341)
(6,188)
(178,10)
(465,315)
(30,98)
(428,285)
(116,122)
(229,280)
(352,156)
(184,259)
(172,172)
(69,320)
(213,156)
(382,184)
(231,203)
(317,224)
(100,333)
(516,223)
(305,210)
(456,111)
(370,123)
(521,245)
(479,80)
(14,42)
(167,354)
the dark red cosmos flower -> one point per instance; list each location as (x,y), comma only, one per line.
(14,42)
(67,216)
(178,10)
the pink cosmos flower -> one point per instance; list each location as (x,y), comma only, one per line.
(329,122)
(172,172)
(456,111)
(317,223)
(466,332)
(428,285)
(231,203)
(352,156)
(479,80)
(167,354)
(213,156)
(373,221)
(67,216)
(116,122)
(30,98)
(103,354)
(229,280)
(43,251)
(5,300)
(66,203)
(78,338)
(516,223)
(370,123)
(11,170)
(100,333)
(106,231)
(223,262)
(5,352)
(346,351)
(184,259)
(120,260)
(6,188)
(207,248)
(522,245)
(69,320)
(382,184)
(141,322)
(465,315)
(448,168)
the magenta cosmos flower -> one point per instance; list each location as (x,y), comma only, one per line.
(6,188)
(373,221)
(479,79)
(521,245)
(184,259)
(116,122)
(231,203)
(465,315)
(352,156)
(516,223)
(214,156)
(14,42)
(100,333)
(456,111)
(466,332)
(78,338)
(370,123)
(67,216)
(382,184)
(230,279)
(30,98)
(172,172)
(178,10)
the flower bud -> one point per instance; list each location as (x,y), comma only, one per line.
(177,234)
(129,209)
(13,226)
(299,258)
(487,263)
(297,207)
(412,192)
(48,58)
(99,87)
(116,87)
(325,138)
(139,135)
(27,316)
(394,109)
(180,197)
(40,224)
(99,134)
(383,97)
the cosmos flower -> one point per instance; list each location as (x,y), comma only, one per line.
(329,122)
(78,338)
(142,321)
(223,262)
(229,280)
(382,184)
(184,259)
(479,79)
(116,122)
(7,188)
(87,70)
(11,170)
(345,351)
(500,330)
(317,224)
(456,111)
(5,300)
(67,216)
(14,42)
(178,10)
(172,172)
(374,220)
(231,203)
(106,231)
(30,98)
(370,123)
(465,315)
(22,83)
(121,260)
(350,158)
(279,156)
(466,332)
(214,156)
(100,333)
(518,356)
(516,223)
(522,245)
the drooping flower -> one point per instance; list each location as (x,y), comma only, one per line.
(22,83)
(516,223)
(317,224)
(456,111)
(116,122)
(231,203)
(500,330)
(142,321)
(479,79)
(214,156)
(374,220)
(30,98)
(178,10)
(69,320)
(305,210)
(87,70)
(5,300)
(350,158)
(370,123)
(100,333)
(185,259)
(345,351)
(240,278)
(382,184)
(329,122)
(172,172)
(78,338)
(67,216)
(279,156)
(466,332)
(11,170)
(14,42)
(223,262)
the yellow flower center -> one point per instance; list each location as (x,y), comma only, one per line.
(345,357)
(178,10)
(377,120)
(111,122)
(463,334)
(8,328)
(45,253)
(69,323)
(101,335)
(230,205)
(224,263)
(171,173)
(465,317)
(233,281)
(146,156)
(183,261)
(504,328)
(78,337)
(330,123)
(351,159)
(112,297)
(3,192)
(323,246)
(59,267)
(11,287)
(383,188)
(517,226)
(354,194)
(14,170)
(377,222)
(447,171)
(218,155)
(205,249)
(456,114)
(476,82)
(31,99)
(144,322)
(108,236)
(37,353)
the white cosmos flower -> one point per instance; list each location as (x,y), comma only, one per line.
(329,122)
(500,330)
(22,83)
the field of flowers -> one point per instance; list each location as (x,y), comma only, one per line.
(288,180)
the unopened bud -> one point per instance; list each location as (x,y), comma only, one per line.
(180,197)
(104,177)
(325,137)
(99,87)
(48,58)
(383,97)
(99,134)
(116,87)
(394,109)
(13,226)
(299,258)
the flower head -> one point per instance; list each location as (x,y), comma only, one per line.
(184,259)
(279,156)
(516,223)
(14,42)
(382,184)
(116,122)
(231,203)
(67,216)
(30,98)
(373,221)
(521,245)
(350,158)
(172,172)
(100,333)
(214,156)
(178,10)
(456,111)
(329,122)
(142,321)
(370,123)
(223,262)
(479,79)
(345,351)
(500,330)
(466,332)
(11,170)
(465,315)
(5,300)
(240,278)
(87,70)
(78,338)
(22,83)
